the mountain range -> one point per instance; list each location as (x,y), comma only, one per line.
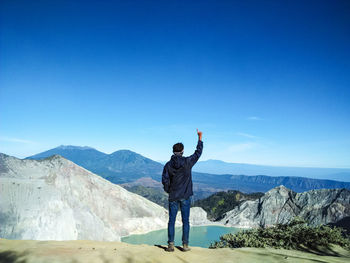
(119,167)
(125,167)
(220,167)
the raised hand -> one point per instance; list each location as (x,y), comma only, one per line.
(199,135)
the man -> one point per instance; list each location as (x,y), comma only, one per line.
(177,182)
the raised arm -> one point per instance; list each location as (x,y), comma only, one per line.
(194,157)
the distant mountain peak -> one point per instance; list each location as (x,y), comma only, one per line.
(214,161)
(73,147)
(119,167)
(127,153)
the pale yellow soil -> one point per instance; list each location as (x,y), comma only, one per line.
(29,251)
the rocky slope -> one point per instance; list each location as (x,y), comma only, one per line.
(197,217)
(55,199)
(280,205)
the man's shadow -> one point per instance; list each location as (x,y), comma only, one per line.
(165,247)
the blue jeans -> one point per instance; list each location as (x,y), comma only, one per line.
(185,205)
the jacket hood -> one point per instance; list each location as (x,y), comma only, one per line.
(177,161)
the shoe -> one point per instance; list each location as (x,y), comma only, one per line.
(185,248)
(170,247)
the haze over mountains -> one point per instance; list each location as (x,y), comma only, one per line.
(125,166)
(220,167)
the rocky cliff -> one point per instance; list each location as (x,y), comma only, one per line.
(55,199)
(280,205)
(198,217)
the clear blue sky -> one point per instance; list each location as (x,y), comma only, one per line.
(268,82)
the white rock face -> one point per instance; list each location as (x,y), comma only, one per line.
(55,199)
(197,217)
(280,205)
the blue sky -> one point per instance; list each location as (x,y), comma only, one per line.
(268,82)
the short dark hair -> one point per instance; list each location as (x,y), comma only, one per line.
(178,147)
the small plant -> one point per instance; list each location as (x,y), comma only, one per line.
(294,235)
(219,203)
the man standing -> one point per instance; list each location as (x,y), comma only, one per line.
(177,182)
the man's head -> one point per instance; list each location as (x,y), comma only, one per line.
(178,148)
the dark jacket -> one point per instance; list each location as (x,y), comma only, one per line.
(177,177)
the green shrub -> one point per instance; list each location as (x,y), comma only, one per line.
(221,202)
(294,235)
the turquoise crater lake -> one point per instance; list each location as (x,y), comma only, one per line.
(200,236)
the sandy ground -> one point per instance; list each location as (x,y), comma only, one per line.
(29,251)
